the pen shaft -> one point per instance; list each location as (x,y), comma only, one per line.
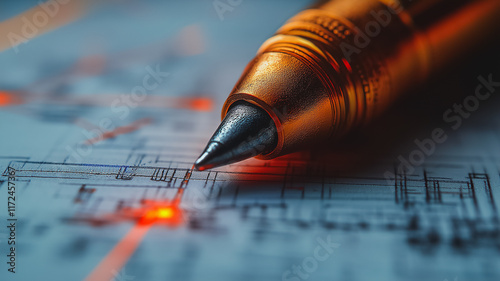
(336,66)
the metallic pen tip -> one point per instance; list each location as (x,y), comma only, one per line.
(207,157)
(246,131)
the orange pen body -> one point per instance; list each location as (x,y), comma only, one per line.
(336,66)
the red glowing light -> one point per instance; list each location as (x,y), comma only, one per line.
(347,64)
(160,213)
(7,99)
(168,214)
(165,213)
(200,104)
(4,99)
(152,212)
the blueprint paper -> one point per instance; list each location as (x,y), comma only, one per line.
(103,117)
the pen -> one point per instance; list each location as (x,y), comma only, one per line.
(333,68)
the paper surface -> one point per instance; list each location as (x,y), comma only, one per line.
(102,118)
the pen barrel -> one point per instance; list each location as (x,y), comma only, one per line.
(335,67)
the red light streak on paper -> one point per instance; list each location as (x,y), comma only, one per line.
(201,104)
(152,213)
(120,254)
(8,99)
(4,99)
(118,131)
(151,101)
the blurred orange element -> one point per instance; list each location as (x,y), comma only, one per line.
(118,131)
(201,104)
(90,65)
(190,41)
(38,20)
(7,99)
(4,99)
(152,101)
(169,215)
(165,213)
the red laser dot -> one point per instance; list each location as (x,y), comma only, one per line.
(169,215)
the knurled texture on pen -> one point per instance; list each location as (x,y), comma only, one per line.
(332,69)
